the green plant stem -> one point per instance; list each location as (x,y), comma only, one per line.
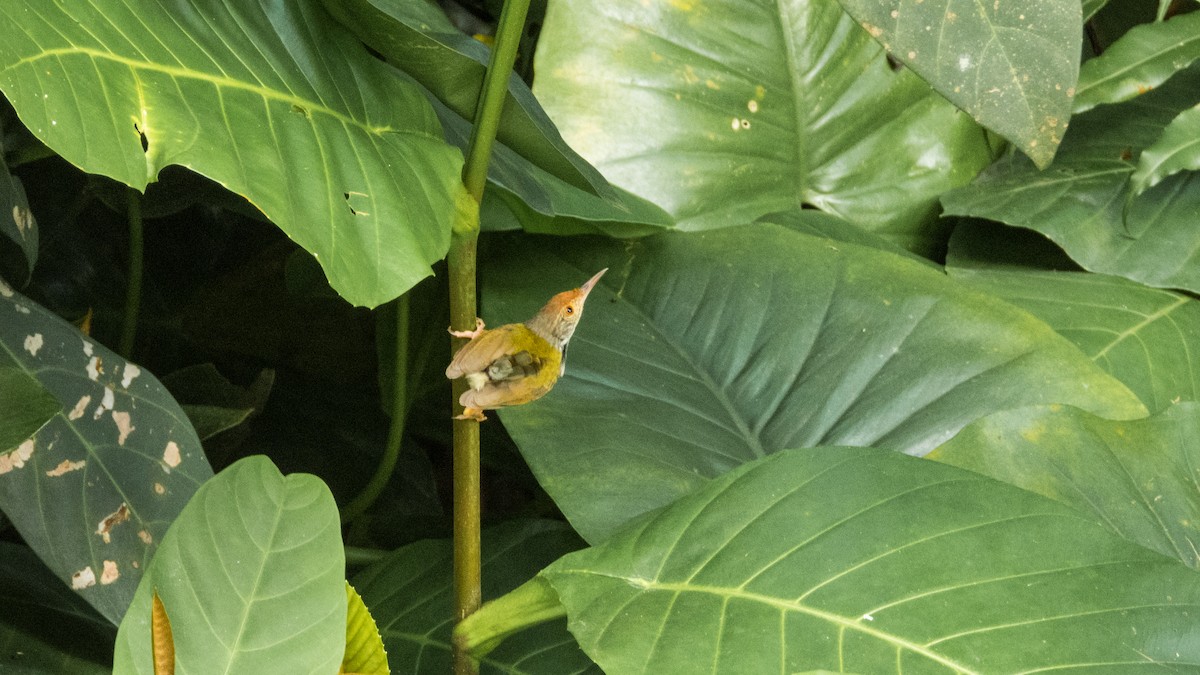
(133,288)
(531,603)
(399,411)
(463,310)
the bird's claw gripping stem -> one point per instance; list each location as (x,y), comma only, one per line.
(471,414)
(469,334)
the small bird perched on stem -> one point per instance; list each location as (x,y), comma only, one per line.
(518,362)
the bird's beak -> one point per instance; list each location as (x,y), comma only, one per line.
(587,286)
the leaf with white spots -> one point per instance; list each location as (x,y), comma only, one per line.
(726,110)
(1011,64)
(97,485)
(275,101)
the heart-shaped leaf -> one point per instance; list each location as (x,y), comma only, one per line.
(275,101)
(868,561)
(252,576)
(1138,477)
(701,352)
(724,111)
(1011,65)
(94,490)
(411,597)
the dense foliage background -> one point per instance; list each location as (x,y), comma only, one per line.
(892,369)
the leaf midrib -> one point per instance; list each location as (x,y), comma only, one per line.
(217,81)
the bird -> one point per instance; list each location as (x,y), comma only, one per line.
(517,362)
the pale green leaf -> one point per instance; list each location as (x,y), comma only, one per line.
(252,574)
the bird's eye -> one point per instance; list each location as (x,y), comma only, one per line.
(570,310)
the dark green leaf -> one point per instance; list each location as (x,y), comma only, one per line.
(25,405)
(410,594)
(1140,61)
(701,352)
(417,37)
(1145,337)
(1080,202)
(252,574)
(276,102)
(721,112)
(1137,477)
(864,560)
(95,489)
(1011,65)
(16,220)
(45,627)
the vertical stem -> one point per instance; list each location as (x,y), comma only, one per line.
(399,412)
(462,262)
(133,288)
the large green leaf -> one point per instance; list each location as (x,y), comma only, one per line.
(868,561)
(1080,202)
(411,596)
(252,577)
(1011,65)
(1145,337)
(724,111)
(1138,477)
(701,352)
(45,627)
(1141,60)
(94,490)
(418,38)
(275,101)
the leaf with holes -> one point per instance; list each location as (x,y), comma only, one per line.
(252,574)
(727,110)
(700,352)
(868,561)
(274,100)
(1011,65)
(1137,477)
(1142,336)
(410,594)
(94,490)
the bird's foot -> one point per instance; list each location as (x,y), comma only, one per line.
(471,414)
(469,334)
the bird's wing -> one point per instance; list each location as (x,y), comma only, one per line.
(479,353)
